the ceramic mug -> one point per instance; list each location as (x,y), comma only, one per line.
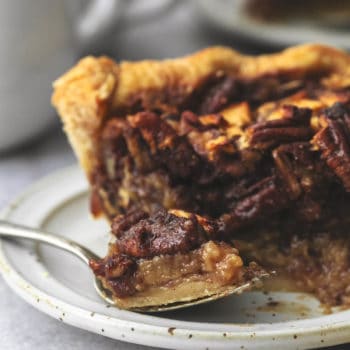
(39,40)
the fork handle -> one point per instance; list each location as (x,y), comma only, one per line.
(10,230)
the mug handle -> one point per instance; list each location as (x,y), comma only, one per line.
(99,18)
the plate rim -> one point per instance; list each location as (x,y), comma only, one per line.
(52,306)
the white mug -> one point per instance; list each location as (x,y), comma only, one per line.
(39,40)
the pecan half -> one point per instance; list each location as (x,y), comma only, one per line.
(293,126)
(299,167)
(219,95)
(263,199)
(168,149)
(160,233)
(334,141)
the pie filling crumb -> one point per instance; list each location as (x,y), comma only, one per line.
(317,263)
(271,152)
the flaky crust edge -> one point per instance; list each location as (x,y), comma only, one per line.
(86,94)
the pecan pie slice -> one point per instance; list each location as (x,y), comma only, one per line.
(187,155)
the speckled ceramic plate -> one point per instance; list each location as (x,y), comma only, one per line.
(61,286)
(230,16)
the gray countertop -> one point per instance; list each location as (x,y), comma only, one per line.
(21,326)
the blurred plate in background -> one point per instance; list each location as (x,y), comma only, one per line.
(232,16)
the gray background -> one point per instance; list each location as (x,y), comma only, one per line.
(177,33)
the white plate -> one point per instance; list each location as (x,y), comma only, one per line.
(230,15)
(61,286)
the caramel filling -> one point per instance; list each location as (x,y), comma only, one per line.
(216,263)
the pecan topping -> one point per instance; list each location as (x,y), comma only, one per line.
(264,198)
(299,167)
(172,151)
(293,126)
(334,142)
(160,233)
(219,95)
(113,266)
(119,270)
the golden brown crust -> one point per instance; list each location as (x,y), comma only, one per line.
(95,86)
(82,97)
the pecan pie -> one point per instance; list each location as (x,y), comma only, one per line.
(187,155)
